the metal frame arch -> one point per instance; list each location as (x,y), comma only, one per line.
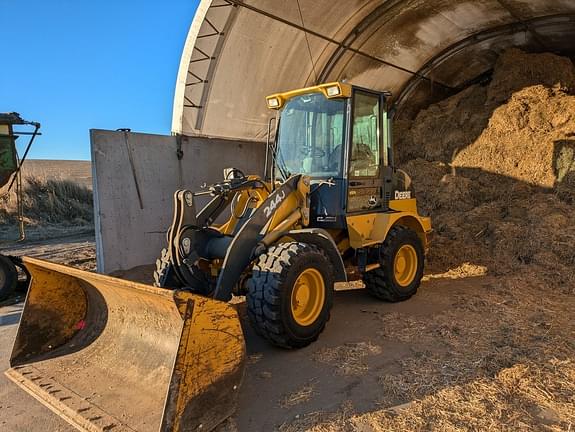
(182,78)
(201,29)
(526,26)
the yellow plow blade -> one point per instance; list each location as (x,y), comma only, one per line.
(112,355)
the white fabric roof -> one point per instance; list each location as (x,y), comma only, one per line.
(237,52)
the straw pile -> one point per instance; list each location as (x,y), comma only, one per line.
(495,167)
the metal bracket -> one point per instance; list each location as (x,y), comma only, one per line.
(126,132)
(361,255)
(179,151)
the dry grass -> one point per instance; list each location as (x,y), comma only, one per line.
(494,166)
(499,359)
(254,358)
(303,394)
(49,202)
(525,396)
(319,421)
(463,271)
(347,359)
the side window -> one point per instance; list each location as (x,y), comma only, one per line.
(365,148)
(386,139)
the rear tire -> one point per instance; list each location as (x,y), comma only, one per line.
(290,294)
(402,261)
(8,277)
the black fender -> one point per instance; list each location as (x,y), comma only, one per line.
(321,238)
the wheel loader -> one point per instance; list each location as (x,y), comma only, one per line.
(108,354)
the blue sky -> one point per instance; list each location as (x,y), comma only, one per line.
(75,65)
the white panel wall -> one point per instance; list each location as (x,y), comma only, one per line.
(130,233)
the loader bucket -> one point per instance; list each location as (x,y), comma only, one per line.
(112,355)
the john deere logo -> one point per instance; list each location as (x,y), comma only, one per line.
(402,195)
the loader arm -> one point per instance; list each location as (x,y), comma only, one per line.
(288,202)
(193,239)
(189,231)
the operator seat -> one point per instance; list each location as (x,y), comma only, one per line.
(362,157)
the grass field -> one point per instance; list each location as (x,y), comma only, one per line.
(57,200)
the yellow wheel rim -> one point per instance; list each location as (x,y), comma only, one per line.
(307,297)
(405,265)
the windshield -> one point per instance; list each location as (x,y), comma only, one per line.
(311,137)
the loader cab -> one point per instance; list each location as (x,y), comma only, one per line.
(340,136)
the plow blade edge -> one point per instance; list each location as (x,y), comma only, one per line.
(112,355)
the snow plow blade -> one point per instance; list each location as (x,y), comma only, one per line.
(112,355)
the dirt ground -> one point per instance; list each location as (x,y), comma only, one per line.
(469,352)
(78,250)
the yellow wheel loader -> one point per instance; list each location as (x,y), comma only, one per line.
(330,208)
(330,205)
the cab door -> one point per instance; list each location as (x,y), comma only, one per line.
(366,156)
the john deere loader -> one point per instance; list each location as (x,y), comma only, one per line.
(113,355)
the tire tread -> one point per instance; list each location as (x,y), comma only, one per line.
(380,282)
(264,293)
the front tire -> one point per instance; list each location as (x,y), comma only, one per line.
(290,294)
(402,261)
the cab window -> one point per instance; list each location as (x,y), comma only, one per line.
(365,148)
(311,136)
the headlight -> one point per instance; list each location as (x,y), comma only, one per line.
(274,102)
(333,91)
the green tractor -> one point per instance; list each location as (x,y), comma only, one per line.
(10,178)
